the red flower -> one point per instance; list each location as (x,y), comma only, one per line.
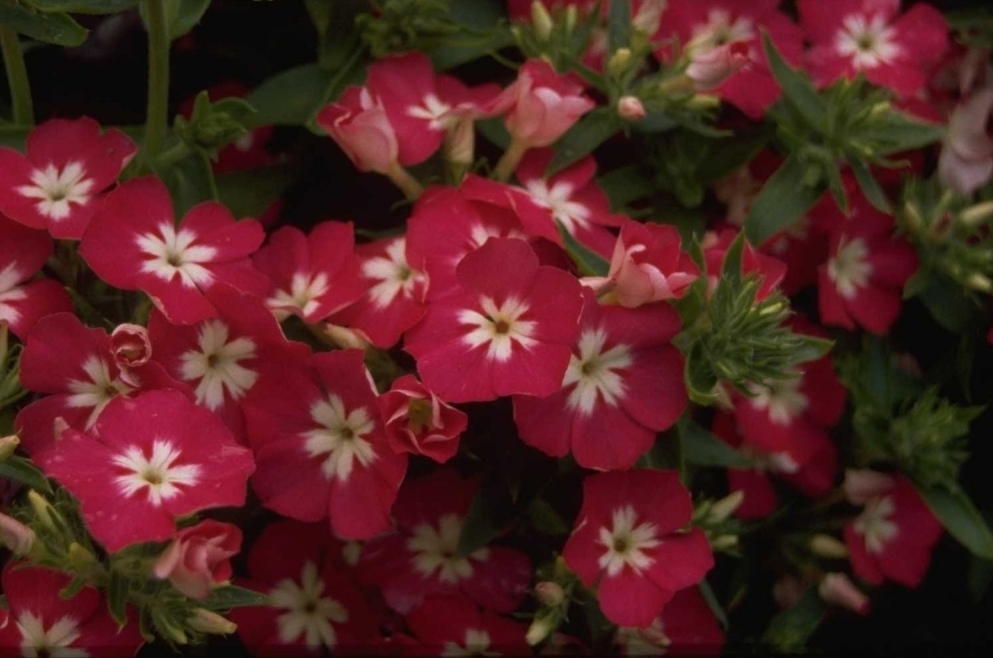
(133,243)
(867,36)
(625,543)
(769,270)
(58,184)
(418,422)
(198,557)
(687,626)
(624,384)
(507,330)
(23,252)
(121,470)
(453,626)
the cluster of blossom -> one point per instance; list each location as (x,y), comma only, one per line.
(148,424)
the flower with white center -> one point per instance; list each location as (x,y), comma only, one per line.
(9,292)
(850,268)
(476,644)
(594,372)
(436,549)
(156,473)
(97,391)
(340,437)
(56,189)
(719,30)
(303,293)
(307,612)
(172,252)
(217,365)
(433,110)
(556,198)
(875,525)
(498,327)
(782,399)
(36,641)
(625,542)
(868,43)
(393,274)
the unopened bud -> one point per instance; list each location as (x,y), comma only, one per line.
(912,217)
(862,485)
(43,510)
(827,546)
(630,108)
(882,107)
(351,552)
(540,628)
(838,589)
(726,506)
(541,21)
(460,143)
(81,558)
(724,542)
(345,337)
(15,535)
(703,102)
(976,215)
(980,282)
(549,593)
(207,621)
(648,16)
(8,445)
(619,61)
(710,68)
(571,17)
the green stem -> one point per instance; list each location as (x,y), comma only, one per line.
(509,161)
(157,115)
(17,76)
(407,183)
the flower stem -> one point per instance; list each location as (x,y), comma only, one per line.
(407,183)
(157,115)
(509,160)
(17,76)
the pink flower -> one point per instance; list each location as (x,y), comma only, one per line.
(686,626)
(134,243)
(198,557)
(131,345)
(709,69)
(418,422)
(507,330)
(58,184)
(630,108)
(624,384)
(540,105)
(15,536)
(870,37)
(893,536)
(451,625)
(318,439)
(837,588)
(38,621)
(649,265)
(23,300)
(625,542)
(119,470)
(359,124)
(966,161)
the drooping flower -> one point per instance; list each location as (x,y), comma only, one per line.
(623,385)
(198,557)
(417,421)
(966,160)
(649,265)
(146,462)
(358,123)
(507,330)
(58,184)
(134,243)
(626,544)
(318,439)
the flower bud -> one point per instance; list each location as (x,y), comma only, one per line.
(540,628)
(549,593)
(81,558)
(630,108)
(980,282)
(207,621)
(648,16)
(8,445)
(15,535)
(726,506)
(838,589)
(827,546)
(131,345)
(345,337)
(351,552)
(724,542)
(43,510)
(460,145)
(619,61)
(976,215)
(863,485)
(541,21)
(710,68)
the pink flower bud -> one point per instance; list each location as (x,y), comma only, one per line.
(15,535)
(206,621)
(549,593)
(648,264)
(359,124)
(540,105)
(630,108)
(838,589)
(131,345)
(198,557)
(966,160)
(863,485)
(418,422)
(709,69)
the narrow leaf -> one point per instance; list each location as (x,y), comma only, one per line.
(783,199)
(590,132)
(187,14)
(731,268)
(84,6)
(588,262)
(702,448)
(980,578)
(895,132)
(961,519)
(873,192)
(289,98)
(232,596)
(618,25)
(249,192)
(479,528)
(715,606)
(797,89)
(626,185)
(789,629)
(117,597)
(20,469)
(59,28)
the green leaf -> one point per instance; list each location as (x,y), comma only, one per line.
(495,131)
(873,192)
(74,587)
(715,606)
(980,578)
(797,89)
(961,519)
(656,122)
(232,596)
(453,52)
(21,469)
(701,448)
(59,28)
(626,185)
(118,592)
(249,192)
(190,181)
(588,262)
(783,199)
(84,6)
(289,98)
(726,155)
(590,132)
(699,378)
(184,16)
(546,520)
(894,132)
(618,25)
(789,629)
(479,527)
(731,267)
(476,14)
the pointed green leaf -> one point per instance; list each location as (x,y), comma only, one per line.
(185,16)
(961,519)
(870,186)
(590,132)
(232,596)
(980,578)
(797,89)
(291,97)
(74,587)
(618,25)
(479,527)
(626,185)
(789,629)
(118,592)
(84,6)
(731,266)
(783,199)
(701,448)
(20,469)
(588,262)
(894,132)
(249,192)
(190,181)
(59,28)
(715,606)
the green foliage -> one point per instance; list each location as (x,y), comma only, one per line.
(212,126)
(588,262)
(83,6)
(788,631)
(56,28)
